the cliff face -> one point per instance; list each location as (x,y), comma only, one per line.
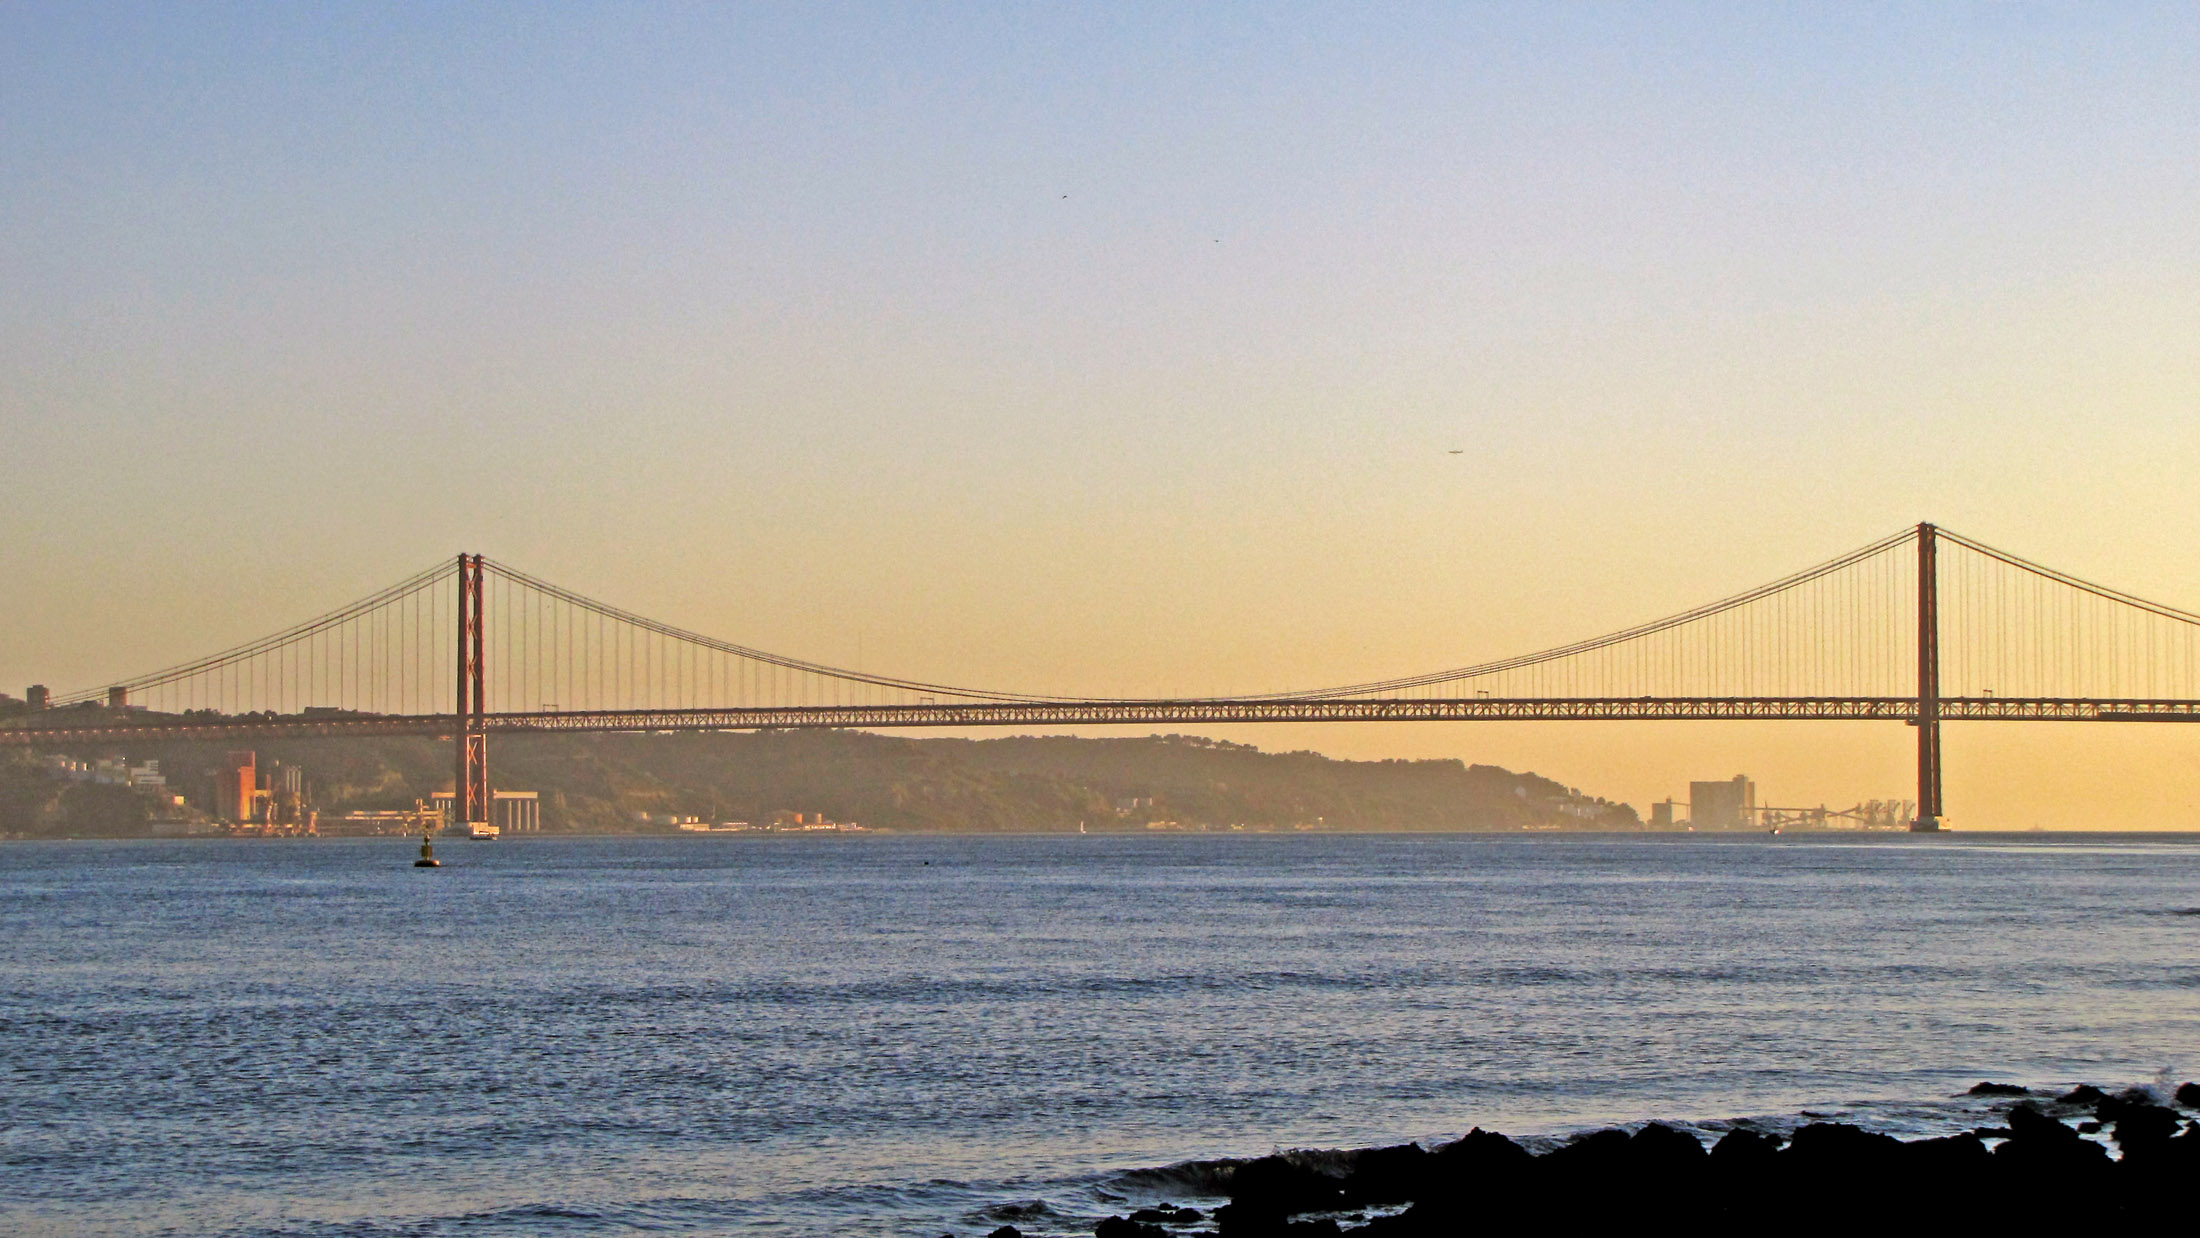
(602,782)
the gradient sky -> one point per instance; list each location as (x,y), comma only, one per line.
(1111,349)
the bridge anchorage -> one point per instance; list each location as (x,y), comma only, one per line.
(1922,627)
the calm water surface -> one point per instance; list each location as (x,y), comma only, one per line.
(917,1035)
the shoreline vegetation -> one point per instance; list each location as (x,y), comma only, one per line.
(2083,1157)
(638,784)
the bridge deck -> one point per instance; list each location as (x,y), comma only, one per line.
(106,727)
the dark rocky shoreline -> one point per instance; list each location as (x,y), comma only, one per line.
(2038,1166)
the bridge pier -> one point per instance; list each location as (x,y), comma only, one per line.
(1928,683)
(470,790)
(1928,779)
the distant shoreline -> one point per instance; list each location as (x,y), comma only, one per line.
(1719,836)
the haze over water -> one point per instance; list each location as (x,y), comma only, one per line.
(908,1035)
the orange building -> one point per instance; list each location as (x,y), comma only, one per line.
(235,786)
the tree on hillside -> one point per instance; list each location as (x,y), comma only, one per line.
(109,811)
(26,792)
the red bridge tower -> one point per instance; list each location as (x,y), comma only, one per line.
(470,793)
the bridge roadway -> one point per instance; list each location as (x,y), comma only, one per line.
(106,728)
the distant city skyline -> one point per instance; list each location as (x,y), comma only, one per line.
(1119,351)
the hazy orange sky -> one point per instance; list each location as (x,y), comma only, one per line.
(1114,350)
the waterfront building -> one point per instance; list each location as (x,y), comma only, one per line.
(1729,805)
(236,787)
(512,812)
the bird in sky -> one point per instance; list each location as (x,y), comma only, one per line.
(1458,451)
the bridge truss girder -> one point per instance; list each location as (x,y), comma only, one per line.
(1124,713)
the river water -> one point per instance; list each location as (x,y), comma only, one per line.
(883,1035)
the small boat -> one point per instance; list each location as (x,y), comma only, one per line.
(479,830)
(1774,830)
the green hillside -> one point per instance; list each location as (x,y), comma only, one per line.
(605,782)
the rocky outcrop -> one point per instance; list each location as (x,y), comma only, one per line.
(1823,1173)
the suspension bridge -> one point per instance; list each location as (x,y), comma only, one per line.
(1922,627)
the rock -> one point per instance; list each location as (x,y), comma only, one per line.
(1665,1149)
(2184,1150)
(2161,1175)
(1385,1227)
(1838,1148)
(1744,1149)
(1124,1227)
(2074,1157)
(1742,1169)
(1826,1159)
(1483,1152)
(2089,1128)
(1997,1089)
(2188,1095)
(2111,1108)
(1387,1175)
(1006,1231)
(2043,1151)
(2031,1122)
(1474,1175)
(1935,1184)
(1587,1176)
(1243,1219)
(1665,1166)
(2141,1128)
(1661,1176)
(1948,1159)
(1285,1184)
(1598,1152)
(1611,1176)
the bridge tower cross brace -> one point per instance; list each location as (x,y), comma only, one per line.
(1928,682)
(470,791)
